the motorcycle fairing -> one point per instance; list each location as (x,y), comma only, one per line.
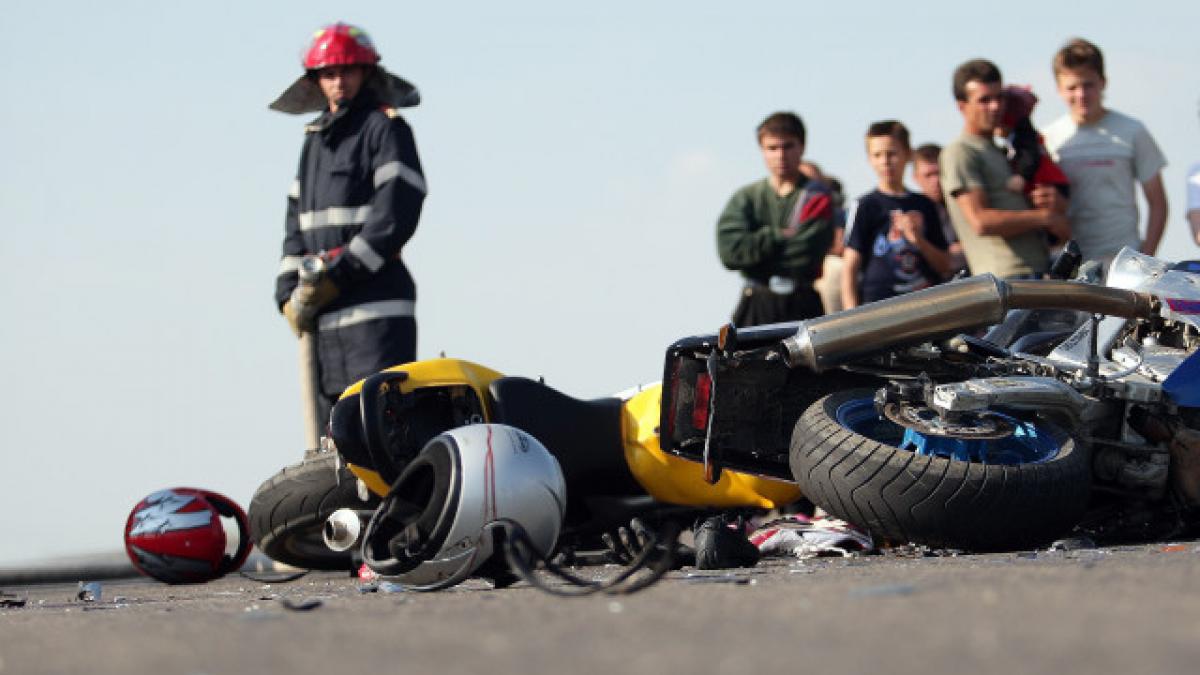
(456,387)
(1183,384)
(621,431)
(675,480)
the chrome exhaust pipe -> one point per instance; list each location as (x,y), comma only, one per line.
(342,529)
(944,311)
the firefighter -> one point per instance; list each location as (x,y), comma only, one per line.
(355,201)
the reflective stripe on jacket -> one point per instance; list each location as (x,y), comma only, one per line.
(359,189)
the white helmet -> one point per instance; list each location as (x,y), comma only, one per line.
(436,525)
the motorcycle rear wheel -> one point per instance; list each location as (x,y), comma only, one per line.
(902,496)
(288,512)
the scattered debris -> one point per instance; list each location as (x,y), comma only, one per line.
(9,600)
(720,579)
(1073,544)
(1174,548)
(89,591)
(392,587)
(805,537)
(302,605)
(274,577)
(919,551)
(887,589)
(366,574)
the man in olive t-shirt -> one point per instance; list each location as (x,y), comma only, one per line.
(999,231)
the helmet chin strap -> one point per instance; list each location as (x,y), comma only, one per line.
(522,557)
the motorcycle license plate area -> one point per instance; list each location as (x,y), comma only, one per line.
(1026,443)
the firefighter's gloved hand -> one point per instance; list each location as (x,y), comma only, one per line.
(313,297)
(307,299)
(296,322)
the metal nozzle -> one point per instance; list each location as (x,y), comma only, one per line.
(312,268)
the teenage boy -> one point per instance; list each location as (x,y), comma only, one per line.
(895,237)
(1000,232)
(1106,155)
(776,231)
(927,175)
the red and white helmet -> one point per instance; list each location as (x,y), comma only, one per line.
(176,536)
(340,44)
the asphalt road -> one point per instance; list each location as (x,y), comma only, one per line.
(1111,610)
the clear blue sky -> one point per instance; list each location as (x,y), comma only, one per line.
(577,156)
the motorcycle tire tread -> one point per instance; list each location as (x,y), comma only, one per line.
(288,512)
(900,496)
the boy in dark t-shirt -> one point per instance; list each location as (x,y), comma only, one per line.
(894,239)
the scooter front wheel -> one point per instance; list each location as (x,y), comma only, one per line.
(1010,494)
(288,512)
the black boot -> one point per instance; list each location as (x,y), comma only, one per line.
(720,547)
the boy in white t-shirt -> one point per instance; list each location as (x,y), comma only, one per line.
(1106,155)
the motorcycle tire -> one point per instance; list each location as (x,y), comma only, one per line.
(901,496)
(288,512)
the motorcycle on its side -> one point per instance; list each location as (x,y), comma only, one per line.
(607,449)
(1078,407)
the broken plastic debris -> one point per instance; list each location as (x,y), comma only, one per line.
(1073,544)
(1174,548)
(89,591)
(719,579)
(887,589)
(302,605)
(392,587)
(275,577)
(910,550)
(366,574)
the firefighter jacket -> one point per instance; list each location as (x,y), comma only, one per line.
(356,200)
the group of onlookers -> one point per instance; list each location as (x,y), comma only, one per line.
(997,199)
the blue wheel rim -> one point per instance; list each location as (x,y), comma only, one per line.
(1030,443)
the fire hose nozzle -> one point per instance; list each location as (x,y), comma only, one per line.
(312,268)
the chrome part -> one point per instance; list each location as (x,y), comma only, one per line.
(1132,270)
(342,529)
(1029,393)
(1154,362)
(927,314)
(942,311)
(1073,352)
(969,426)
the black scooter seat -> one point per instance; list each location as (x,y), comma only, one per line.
(584,436)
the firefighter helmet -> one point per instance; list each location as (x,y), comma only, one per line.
(340,44)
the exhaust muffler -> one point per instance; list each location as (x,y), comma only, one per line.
(944,311)
(342,529)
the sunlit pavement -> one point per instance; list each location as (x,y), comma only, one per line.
(1125,609)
